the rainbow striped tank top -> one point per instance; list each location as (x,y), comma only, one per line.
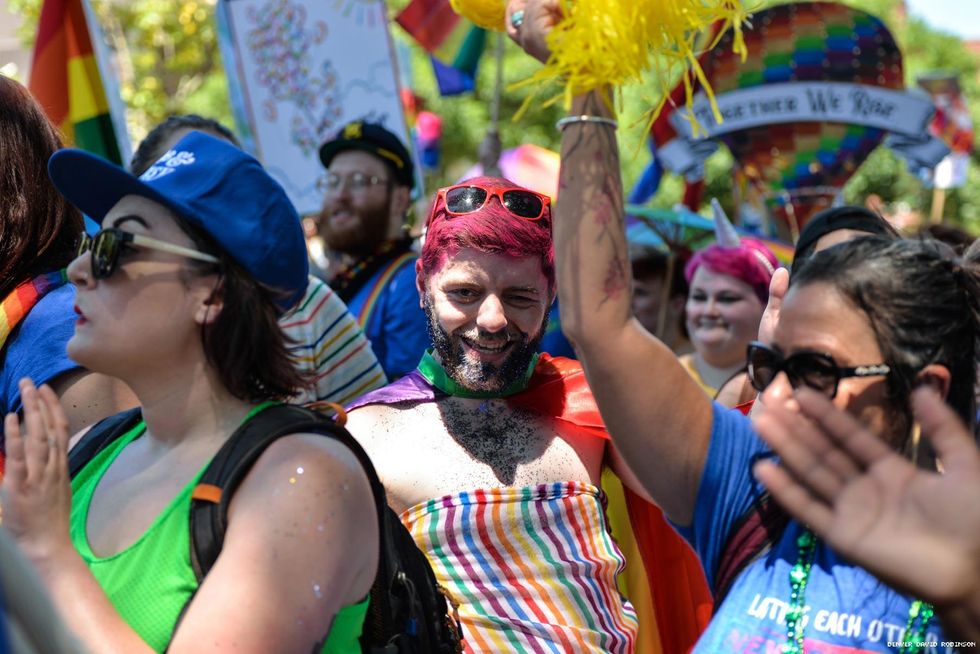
(534,569)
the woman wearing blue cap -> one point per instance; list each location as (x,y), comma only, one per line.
(178,295)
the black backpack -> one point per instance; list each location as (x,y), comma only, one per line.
(408,613)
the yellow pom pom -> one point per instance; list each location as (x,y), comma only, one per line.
(602,43)
(488,14)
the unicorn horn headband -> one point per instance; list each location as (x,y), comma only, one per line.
(724,229)
(728,237)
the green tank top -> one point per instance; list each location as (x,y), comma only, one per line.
(150,581)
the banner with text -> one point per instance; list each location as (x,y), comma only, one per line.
(901,113)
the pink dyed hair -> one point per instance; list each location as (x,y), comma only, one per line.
(492,229)
(745,262)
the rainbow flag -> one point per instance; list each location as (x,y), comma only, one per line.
(66,81)
(454,42)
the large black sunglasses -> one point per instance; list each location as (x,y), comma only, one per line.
(519,202)
(108,244)
(811,369)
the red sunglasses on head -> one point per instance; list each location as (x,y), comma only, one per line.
(520,202)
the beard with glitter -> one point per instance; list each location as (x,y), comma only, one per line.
(480,376)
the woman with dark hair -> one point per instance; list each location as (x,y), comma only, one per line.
(38,234)
(326,343)
(179,295)
(862,324)
(728,291)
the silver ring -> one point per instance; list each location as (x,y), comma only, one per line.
(517,18)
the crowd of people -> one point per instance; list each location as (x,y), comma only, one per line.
(789,457)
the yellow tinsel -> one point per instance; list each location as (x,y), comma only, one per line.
(488,14)
(610,43)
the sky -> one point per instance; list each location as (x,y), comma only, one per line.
(960,17)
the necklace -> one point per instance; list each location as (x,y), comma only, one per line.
(920,613)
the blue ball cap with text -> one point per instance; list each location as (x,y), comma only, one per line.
(216,187)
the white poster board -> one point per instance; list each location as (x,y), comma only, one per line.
(299,70)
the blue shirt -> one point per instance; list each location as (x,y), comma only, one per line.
(397,325)
(36,348)
(847,610)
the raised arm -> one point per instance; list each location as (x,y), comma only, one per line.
(658,417)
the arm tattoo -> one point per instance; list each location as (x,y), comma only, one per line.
(595,180)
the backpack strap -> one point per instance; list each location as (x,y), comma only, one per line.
(212,496)
(100,436)
(753,535)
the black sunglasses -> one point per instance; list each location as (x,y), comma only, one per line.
(108,244)
(811,369)
(521,203)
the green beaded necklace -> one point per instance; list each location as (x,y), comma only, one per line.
(799,575)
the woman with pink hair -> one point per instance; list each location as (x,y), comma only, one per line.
(729,288)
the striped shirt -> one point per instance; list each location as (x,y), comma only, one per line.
(534,569)
(330,346)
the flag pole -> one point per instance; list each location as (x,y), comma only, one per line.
(490,148)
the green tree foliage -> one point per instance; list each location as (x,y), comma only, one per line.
(170,63)
(167,53)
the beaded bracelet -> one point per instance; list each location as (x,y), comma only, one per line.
(584,118)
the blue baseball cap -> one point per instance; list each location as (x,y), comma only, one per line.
(216,187)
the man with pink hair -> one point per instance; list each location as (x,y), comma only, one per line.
(493,453)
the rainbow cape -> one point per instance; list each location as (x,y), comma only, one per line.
(66,81)
(663,578)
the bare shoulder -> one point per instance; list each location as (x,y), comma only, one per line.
(304,479)
(317,455)
(301,543)
(375,421)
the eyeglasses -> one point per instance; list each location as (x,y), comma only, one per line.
(355,182)
(520,202)
(108,244)
(812,369)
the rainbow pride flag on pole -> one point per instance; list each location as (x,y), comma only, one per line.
(66,80)
(455,43)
